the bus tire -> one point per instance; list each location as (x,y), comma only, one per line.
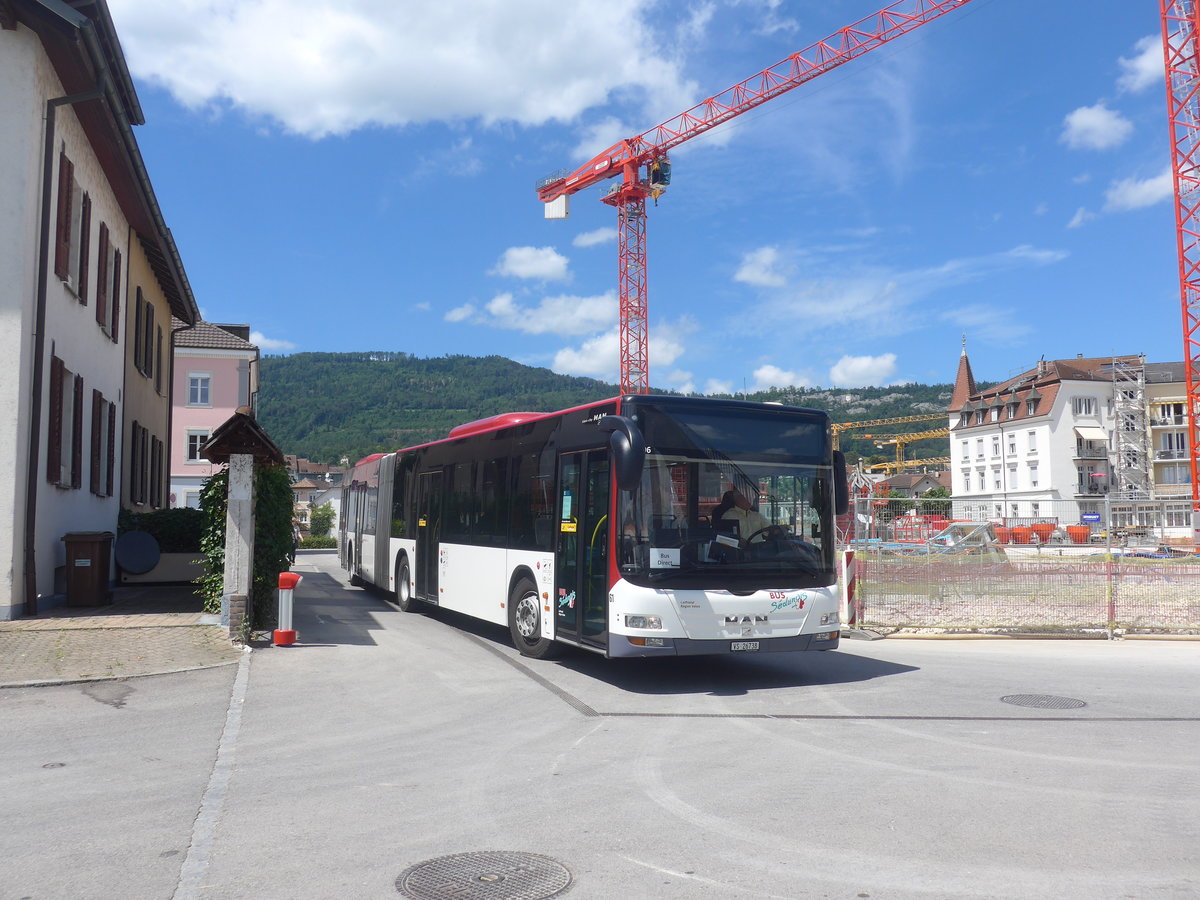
(404,595)
(525,621)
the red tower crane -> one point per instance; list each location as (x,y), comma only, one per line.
(644,167)
(1181,30)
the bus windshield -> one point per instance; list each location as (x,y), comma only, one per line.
(685,526)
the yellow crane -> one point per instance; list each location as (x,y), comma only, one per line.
(839,427)
(892,467)
(903,440)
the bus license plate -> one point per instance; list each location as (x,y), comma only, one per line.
(742,646)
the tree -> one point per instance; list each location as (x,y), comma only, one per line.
(320,520)
(935,502)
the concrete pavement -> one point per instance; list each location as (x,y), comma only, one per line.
(147,630)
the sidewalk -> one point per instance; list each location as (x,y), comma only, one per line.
(147,630)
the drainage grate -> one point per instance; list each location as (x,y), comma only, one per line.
(491,875)
(1043,701)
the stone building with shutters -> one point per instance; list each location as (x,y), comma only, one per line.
(85,401)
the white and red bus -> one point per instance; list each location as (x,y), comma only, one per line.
(595,527)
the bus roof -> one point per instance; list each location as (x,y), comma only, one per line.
(501,421)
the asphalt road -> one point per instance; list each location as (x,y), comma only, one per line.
(887,769)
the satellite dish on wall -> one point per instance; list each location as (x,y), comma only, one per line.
(137,552)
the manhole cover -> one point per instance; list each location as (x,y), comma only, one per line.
(1043,701)
(491,874)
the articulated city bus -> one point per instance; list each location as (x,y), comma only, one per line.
(604,527)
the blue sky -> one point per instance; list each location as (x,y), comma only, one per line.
(360,175)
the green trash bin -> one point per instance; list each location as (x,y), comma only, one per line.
(88,554)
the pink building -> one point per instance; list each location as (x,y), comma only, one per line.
(216,373)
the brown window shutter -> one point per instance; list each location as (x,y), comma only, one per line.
(112,447)
(138,350)
(134,462)
(54,443)
(62,234)
(85,234)
(148,342)
(115,333)
(145,453)
(94,483)
(102,277)
(77,435)
(158,355)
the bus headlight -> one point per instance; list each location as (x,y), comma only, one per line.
(832,618)
(643,621)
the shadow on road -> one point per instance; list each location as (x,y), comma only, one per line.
(714,675)
(327,613)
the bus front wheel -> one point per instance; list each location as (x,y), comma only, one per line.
(525,622)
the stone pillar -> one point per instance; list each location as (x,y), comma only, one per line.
(239,535)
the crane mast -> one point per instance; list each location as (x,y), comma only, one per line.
(648,151)
(1180,31)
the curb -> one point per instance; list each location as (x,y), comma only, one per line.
(52,682)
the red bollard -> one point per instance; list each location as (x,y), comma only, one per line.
(285,636)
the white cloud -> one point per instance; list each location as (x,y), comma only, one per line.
(600,356)
(563,314)
(716,386)
(863,371)
(320,67)
(543,263)
(759,268)
(266,343)
(1095,128)
(423,306)
(1082,217)
(769,376)
(592,238)
(1145,68)
(995,325)
(1132,193)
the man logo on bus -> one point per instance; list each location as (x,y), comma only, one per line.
(745,620)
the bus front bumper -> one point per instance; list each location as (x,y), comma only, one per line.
(620,645)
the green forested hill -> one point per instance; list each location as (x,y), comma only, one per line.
(326,406)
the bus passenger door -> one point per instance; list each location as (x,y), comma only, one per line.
(429,524)
(581,558)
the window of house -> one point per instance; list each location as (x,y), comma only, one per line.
(1035,508)
(966,480)
(141,462)
(64,449)
(979,448)
(72,230)
(1012,477)
(1012,445)
(196,439)
(995,478)
(966,449)
(108,286)
(996,414)
(157,450)
(982,485)
(1033,475)
(1083,406)
(995,445)
(1012,410)
(1030,407)
(144,347)
(104,426)
(191,499)
(979,417)
(198,389)
(1012,509)
(1032,441)
(964,419)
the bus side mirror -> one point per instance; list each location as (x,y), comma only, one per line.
(628,449)
(841,490)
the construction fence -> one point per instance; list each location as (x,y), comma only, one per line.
(1117,567)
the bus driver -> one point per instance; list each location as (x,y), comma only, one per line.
(734,507)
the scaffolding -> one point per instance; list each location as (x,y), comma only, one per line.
(1131,466)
